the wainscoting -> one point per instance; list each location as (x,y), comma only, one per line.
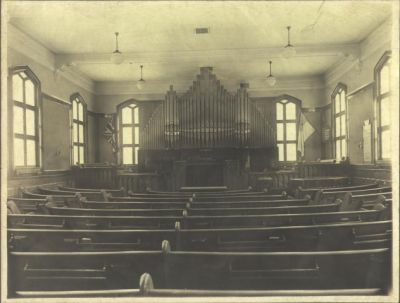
(46,178)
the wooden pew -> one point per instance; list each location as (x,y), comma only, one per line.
(250,204)
(71,211)
(115,192)
(31,205)
(301,192)
(234,221)
(318,182)
(366,201)
(328,196)
(182,205)
(221,198)
(283,238)
(132,205)
(60,271)
(278,270)
(92,222)
(96,196)
(55,198)
(147,289)
(263,210)
(192,222)
(147,199)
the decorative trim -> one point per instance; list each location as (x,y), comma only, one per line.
(55,99)
(158,89)
(375,41)
(357,90)
(26,45)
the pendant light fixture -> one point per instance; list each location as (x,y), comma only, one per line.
(140,84)
(271,80)
(116,56)
(289,50)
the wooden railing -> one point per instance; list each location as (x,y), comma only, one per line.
(102,176)
(138,182)
(322,169)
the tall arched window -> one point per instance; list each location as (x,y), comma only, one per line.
(340,121)
(383,93)
(25,98)
(128,114)
(79,121)
(286,129)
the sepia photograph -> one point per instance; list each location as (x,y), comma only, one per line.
(200,151)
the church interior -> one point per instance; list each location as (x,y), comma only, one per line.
(199,149)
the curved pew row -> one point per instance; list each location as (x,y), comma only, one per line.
(328,196)
(284,238)
(72,211)
(16,220)
(115,192)
(97,195)
(323,270)
(300,192)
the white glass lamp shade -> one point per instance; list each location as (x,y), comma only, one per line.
(140,84)
(271,80)
(289,51)
(117,57)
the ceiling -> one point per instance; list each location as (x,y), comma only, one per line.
(243,35)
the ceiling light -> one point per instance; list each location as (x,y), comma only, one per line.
(140,84)
(289,50)
(116,56)
(271,80)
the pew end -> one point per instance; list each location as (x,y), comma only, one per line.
(146,284)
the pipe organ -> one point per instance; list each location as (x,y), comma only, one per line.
(207,136)
(207,116)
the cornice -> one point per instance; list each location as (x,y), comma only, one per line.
(161,87)
(378,39)
(26,45)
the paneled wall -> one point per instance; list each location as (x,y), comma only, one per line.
(56,134)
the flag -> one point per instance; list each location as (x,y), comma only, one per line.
(110,133)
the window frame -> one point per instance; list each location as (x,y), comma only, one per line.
(132,125)
(73,97)
(378,97)
(37,108)
(337,91)
(284,121)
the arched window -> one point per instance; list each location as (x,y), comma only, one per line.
(383,94)
(25,97)
(128,114)
(286,129)
(340,121)
(79,123)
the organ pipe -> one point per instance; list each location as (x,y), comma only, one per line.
(207,116)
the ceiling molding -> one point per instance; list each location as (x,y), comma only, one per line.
(378,39)
(161,87)
(327,50)
(26,45)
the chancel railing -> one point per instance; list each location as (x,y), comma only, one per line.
(207,116)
